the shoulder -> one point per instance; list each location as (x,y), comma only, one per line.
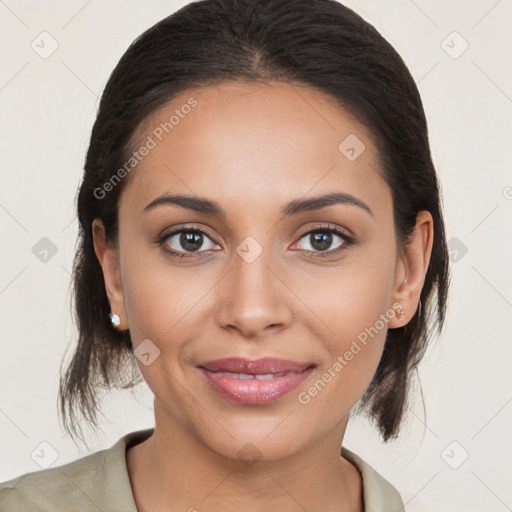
(379,494)
(98,481)
(48,488)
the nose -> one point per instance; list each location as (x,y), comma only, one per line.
(254,298)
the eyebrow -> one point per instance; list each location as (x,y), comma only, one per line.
(209,207)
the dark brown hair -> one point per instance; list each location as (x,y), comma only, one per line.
(319,44)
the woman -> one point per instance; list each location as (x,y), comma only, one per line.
(262,237)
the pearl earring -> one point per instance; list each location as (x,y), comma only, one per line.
(116,321)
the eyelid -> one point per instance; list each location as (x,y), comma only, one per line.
(340,231)
(162,238)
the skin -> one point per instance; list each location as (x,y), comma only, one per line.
(253,148)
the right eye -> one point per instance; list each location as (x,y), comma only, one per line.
(184,242)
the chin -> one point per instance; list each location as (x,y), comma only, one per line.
(252,445)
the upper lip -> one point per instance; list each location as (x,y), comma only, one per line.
(256,367)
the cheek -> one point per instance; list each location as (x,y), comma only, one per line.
(163,302)
(353,356)
(347,300)
(154,305)
(159,310)
(352,311)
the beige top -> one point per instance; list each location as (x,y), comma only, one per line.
(99,482)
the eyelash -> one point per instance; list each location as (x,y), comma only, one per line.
(348,241)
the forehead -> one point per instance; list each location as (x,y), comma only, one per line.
(243,142)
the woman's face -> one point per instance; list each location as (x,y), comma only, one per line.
(258,283)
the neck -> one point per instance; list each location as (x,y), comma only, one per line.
(173,470)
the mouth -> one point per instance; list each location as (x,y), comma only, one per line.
(247,376)
(263,366)
(255,382)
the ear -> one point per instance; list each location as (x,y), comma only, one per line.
(411,269)
(108,257)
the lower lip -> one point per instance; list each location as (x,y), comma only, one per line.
(254,391)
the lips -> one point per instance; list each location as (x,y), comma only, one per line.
(264,366)
(255,382)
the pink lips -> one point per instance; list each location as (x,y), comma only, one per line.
(236,378)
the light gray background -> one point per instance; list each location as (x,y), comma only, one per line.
(47,110)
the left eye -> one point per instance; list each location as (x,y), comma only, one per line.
(321,240)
